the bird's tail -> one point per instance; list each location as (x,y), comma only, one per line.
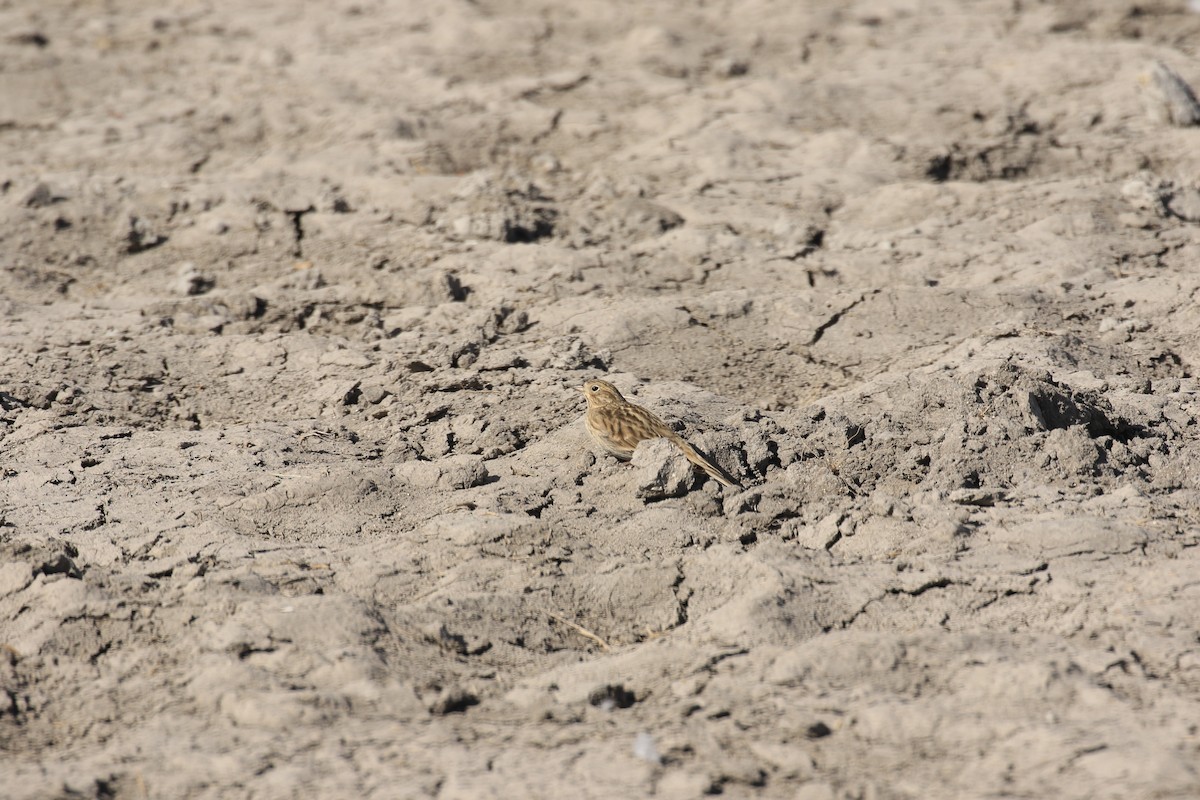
(714,471)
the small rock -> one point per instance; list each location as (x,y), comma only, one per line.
(662,470)
(546,163)
(191,281)
(1147,192)
(41,196)
(984,498)
(730,67)
(1168,98)
(138,235)
(345,358)
(1132,220)
(452,472)
(374,394)
(243,305)
(815,790)
(1185,204)
(14,576)
(822,536)
(645,748)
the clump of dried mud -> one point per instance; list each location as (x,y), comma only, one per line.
(294,494)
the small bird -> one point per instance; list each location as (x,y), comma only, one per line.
(618,425)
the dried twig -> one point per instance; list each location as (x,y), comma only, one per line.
(582,631)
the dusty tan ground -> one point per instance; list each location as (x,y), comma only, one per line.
(295,499)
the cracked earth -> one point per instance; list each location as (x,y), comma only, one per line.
(295,494)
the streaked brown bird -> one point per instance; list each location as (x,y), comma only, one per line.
(618,425)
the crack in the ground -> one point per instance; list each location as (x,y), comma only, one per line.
(297,218)
(937,583)
(837,317)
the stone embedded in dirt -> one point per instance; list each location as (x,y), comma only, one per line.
(661,470)
(1167,97)
(645,748)
(41,196)
(820,536)
(1050,404)
(191,281)
(501,208)
(15,576)
(1164,198)
(452,472)
(1184,203)
(139,234)
(977,497)
(374,393)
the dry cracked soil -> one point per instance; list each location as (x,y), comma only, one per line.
(295,495)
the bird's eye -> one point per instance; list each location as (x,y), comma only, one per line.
(595,388)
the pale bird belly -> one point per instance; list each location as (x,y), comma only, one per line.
(610,445)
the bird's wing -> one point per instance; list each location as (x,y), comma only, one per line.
(647,423)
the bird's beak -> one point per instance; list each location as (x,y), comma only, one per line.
(581,390)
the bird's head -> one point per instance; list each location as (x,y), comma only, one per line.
(600,394)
